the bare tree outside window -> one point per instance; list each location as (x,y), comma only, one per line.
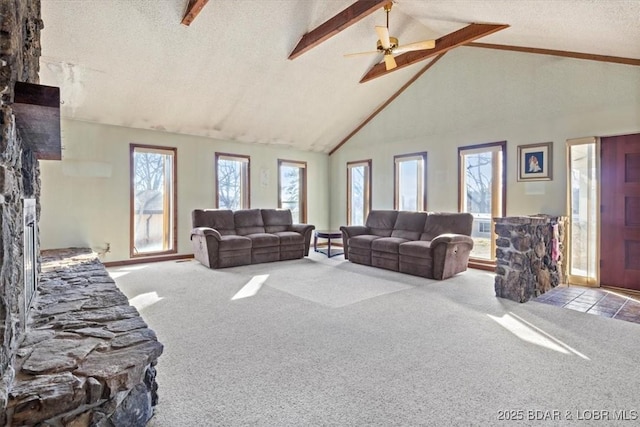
(358,191)
(152,171)
(482,192)
(478,169)
(410,182)
(232,180)
(292,189)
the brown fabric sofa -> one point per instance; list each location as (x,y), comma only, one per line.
(225,238)
(435,245)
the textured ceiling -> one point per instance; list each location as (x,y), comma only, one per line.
(131,63)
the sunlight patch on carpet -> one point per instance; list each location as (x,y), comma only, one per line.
(144,300)
(252,287)
(531,333)
(123,271)
(338,293)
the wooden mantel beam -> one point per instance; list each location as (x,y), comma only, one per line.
(333,26)
(443,44)
(193,9)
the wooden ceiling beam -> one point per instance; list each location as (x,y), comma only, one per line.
(193,9)
(387,102)
(562,53)
(443,44)
(333,26)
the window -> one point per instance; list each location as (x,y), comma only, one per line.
(292,188)
(153,197)
(358,191)
(482,192)
(583,197)
(232,181)
(410,188)
(484,226)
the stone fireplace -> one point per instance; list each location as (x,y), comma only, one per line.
(73,352)
(530,255)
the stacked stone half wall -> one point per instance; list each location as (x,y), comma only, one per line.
(530,255)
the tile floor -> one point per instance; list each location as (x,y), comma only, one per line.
(601,302)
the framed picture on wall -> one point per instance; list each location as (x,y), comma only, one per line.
(535,162)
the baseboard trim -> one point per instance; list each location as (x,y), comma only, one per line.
(147,260)
(482,265)
(632,292)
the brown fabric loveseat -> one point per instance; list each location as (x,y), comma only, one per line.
(225,238)
(435,245)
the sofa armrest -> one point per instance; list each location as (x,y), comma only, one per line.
(353,230)
(452,238)
(450,254)
(305,230)
(206,231)
(349,231)
(302,228)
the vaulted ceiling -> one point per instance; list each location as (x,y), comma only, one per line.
(227,74)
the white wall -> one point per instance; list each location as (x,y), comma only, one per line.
(85,197)
(474,96)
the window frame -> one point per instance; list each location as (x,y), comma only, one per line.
(368,180)
(302,166)
(488,264)
(422,185)
(173,227)
(595,198)
(245,202)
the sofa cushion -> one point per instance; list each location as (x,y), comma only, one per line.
(262,240)
(384,260)
(416,249)
(439,222)
(409,225)
(248,221)
(218,219)
(387,244)
(290,238)
(381,222)
(234,243)
(266,254)
(362,241)
(276,220)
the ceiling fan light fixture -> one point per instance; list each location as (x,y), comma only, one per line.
(393,44)
(390,46)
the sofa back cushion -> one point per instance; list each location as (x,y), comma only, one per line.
(409,225)
(381,222)
(219,219)
(447,222)
(248,221)
(276,220)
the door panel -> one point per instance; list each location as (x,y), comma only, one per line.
(620,243)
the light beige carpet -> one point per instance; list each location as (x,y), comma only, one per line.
(324,342)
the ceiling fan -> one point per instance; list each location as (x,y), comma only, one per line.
(389,46)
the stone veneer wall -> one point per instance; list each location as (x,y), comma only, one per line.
(88,358)
(20,26)
(528,265)
(85,357)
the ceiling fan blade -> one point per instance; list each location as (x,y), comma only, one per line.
(383,35)
(390,62)
(348,55)
(423,45)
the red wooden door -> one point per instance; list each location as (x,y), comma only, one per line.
(620,218)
